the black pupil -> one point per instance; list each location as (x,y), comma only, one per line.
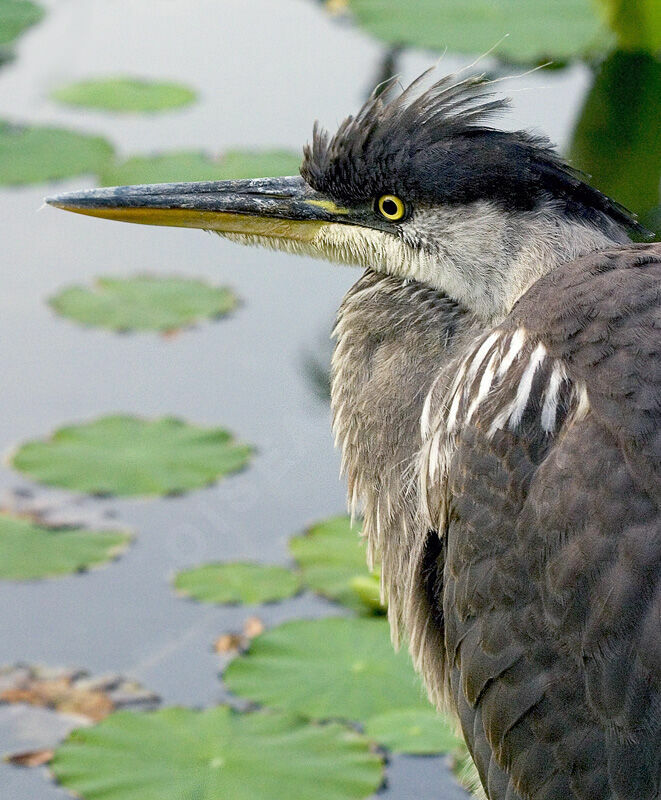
(389,207)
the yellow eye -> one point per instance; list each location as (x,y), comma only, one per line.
(391,207)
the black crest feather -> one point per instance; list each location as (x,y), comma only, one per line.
(435,145)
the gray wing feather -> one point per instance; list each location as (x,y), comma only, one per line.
(551,579)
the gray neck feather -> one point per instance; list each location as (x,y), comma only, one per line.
(392,334)
(487,258)
(395,336)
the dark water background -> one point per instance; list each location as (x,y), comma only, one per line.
(265,71)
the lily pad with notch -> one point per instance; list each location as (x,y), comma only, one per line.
(177,753)
(234,583)
(30,551)
(127,455)
(143,303)
(334,668)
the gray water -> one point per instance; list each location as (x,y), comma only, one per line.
(265,71)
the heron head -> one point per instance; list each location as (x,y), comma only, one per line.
(417,184)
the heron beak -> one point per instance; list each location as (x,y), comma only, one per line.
(275,208)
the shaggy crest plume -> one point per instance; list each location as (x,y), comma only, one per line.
(436,145)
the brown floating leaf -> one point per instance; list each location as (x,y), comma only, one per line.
(72,692)
(239,642)
(230,643)
(252,627)
(61,695)
(31,758)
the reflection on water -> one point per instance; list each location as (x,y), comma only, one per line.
(618,137)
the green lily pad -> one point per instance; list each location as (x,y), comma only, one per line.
(36,154)
(331,555)
(327,669)
(29,551)
(368,590)
(16,16)
(125,94)
(413,730)
(618,136)
(178,753)
(197,166)
(536,30)
(637,23)
(238,583)
(124,455)
(143,303)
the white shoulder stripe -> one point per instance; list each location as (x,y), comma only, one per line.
(454,409)
(504,378)
(516,343)
(485,384)
(583,402)
(481,354)
(525,385)
(550,407)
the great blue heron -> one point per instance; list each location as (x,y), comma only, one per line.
(496,391)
